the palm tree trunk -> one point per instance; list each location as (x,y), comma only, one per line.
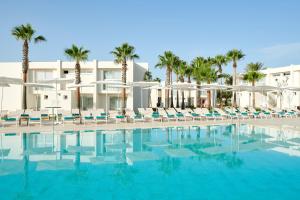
(253,95)
(198,96)
(25,66)
(167,84)
(77,81)
(182,97)
(123,93)
(208,97)
(177,93)
(171,82)
(189,98)
(234,83)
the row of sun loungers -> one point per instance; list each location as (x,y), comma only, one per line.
(31,117)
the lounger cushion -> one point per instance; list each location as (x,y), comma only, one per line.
(101,117)
(69,118)
(10,119)
(89,117)
(120,116)
(179,115)
(35,118)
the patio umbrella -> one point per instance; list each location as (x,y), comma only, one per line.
(38,85)
(214,88)
(57,81)
(293,89)
(117,86)
(143,85)
(2,85)
(5,82)
(81,85)
(183,86)
(107,82)
(248,88)
(158,87)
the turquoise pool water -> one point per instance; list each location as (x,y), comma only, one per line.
(214,162)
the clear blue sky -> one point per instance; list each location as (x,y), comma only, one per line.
(266,31)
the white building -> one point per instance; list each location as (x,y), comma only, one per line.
(92,97)
(159,95)
(288,76)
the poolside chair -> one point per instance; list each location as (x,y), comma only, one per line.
(206,114)
(87,116)
(244,114)
(34,118)
(267,113)
(163,114)
(194,113)
(223,114)
(44,115)
(177,115)
(117,116)
(187,114)
(280,113)
(11,118)
(290,113)
(256,114)
(100,115)
(147,115)
(232,112)
(67,117)
(135,117)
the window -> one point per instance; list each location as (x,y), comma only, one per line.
(45,97)
(66,72)
(112,75)
(65,97)
(114,103)
(116,75)
(43,75)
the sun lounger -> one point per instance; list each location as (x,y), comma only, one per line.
(67,117)
(100,115)
(164,115)
(134,117)
(116,116)
(11,118)
(35,118)
(187,114)
(87,116)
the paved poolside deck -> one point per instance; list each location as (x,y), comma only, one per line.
(290,123)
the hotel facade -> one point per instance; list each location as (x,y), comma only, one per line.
(287,76)
(92,97)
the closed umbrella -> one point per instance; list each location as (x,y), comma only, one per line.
(143,85)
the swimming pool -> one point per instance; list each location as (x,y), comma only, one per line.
(212,162)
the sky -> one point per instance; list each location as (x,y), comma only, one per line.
(266,31)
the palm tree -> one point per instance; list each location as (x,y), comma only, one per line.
(167,61)
(182,73)
(157,79)
(209,75)
(78,54)
(219,61)
(197,65)
(147,76)
(188,74)
(234,56)
(253,74)
(122,54)
(26,33)
(176,69)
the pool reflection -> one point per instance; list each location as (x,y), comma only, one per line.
(68,150)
